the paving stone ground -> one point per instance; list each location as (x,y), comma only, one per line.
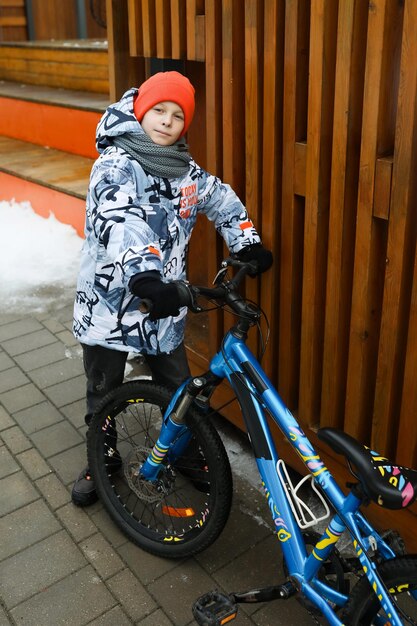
(60,564)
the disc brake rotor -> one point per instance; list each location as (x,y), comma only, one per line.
(144,489)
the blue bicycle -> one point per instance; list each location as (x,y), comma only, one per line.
(163,474)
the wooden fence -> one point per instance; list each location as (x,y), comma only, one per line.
(308,109)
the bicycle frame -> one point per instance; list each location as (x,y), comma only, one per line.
(255,393)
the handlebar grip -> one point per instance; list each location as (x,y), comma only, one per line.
(186,299)
(145,306)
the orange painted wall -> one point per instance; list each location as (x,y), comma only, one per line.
(66,208)
(71,130)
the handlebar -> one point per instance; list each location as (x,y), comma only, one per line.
(224,292)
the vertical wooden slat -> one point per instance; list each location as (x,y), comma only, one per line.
(195,30)
(253,103)
(178,29)
(213,69)
(406,452)
(253,10)
(149,28)
(366,291)
(163,28)
(351,39)
(198,254)
(200,33)
(271,175)
(124,71)
(401,243)
(320,115)
(214,153)
(295,83)
(134,8)
(233,104)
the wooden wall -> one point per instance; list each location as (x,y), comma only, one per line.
(57,19)
(310,113)
(52,19)
(13,25)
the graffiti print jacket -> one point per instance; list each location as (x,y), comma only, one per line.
(137,222)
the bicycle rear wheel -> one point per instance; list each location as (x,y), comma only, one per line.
(186,509)
(400,576)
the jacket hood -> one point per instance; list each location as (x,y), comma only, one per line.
(118,119)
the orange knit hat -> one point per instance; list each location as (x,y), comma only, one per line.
(166,87)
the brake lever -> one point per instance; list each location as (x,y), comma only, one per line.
(218,279)
(188,296)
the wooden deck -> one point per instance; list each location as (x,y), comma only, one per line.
(55,169)
(42,94)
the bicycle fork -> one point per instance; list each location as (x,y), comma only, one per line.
(174,436)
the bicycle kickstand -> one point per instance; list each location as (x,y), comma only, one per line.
(216,608)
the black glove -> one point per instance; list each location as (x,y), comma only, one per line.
(164,296)
(256,252)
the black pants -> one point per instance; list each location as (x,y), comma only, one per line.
(105,368)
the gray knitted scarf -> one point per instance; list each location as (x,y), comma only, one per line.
(164,161)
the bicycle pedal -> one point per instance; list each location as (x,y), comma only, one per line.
(214,609)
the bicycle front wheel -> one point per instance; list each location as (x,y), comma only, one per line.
(186,509)
(400,577)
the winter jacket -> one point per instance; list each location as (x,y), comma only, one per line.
(136,222)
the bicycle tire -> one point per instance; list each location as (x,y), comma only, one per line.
(400,577)
(180,516)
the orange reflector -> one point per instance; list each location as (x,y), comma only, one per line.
(228,619)
(174,512)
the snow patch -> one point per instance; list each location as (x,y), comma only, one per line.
(39,258)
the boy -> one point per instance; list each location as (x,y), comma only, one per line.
(144,195)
